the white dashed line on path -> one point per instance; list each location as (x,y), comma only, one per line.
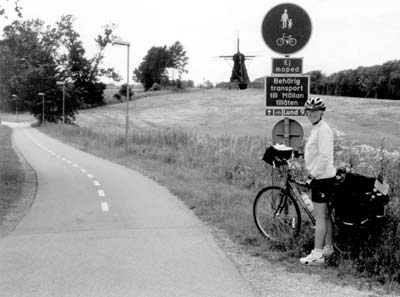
(100,193)
(104,207)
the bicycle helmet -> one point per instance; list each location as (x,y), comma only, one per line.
(315,103)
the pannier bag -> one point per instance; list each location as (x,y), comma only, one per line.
(359,199)
(278,154)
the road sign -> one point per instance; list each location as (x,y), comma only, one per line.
(285,112)
(289,132)
(294,112)
(287,91)
(269,111)
(286,28)
(287,65)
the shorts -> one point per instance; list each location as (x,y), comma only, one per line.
(322,190)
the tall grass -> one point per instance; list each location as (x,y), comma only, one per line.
(218,178)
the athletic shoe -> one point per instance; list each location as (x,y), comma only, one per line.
(328,251)
(315,258)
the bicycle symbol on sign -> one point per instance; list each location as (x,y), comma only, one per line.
(288,39)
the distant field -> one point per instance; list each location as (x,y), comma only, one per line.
(20,117)
(238,113)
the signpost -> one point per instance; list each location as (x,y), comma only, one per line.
(286,29)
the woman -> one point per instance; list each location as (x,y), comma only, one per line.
(318,155)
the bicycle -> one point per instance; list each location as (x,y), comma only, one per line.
(278,210)
(288,39)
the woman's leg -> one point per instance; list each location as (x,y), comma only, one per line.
(329,230)
(322,225)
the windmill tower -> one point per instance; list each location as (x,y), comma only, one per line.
(239,76)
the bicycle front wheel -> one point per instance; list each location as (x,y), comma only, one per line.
(276,214)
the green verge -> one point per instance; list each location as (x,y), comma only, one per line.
(218,178)
(17,184)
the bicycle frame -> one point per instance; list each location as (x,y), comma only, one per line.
(292,188)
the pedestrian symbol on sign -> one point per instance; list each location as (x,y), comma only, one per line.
(284,19)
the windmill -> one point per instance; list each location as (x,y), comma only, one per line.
(239,76)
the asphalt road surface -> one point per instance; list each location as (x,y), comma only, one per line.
(100,229)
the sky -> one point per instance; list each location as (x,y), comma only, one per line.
(345,33)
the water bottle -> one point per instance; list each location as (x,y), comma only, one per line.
(307,201)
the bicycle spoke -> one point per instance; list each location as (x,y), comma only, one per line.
(276,215)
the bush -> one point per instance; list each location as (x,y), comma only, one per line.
(155,87)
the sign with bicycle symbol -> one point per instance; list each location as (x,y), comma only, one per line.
(286,28)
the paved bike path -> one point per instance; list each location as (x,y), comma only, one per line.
(100,229)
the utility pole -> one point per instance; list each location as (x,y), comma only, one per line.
(42,94)
(127,44)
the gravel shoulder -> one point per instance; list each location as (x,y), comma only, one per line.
(275,280)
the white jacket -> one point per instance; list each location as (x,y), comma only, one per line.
(318,153)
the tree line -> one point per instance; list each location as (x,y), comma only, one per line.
(378,81)
(45,68)
(39,64)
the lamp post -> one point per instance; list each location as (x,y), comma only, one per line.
(15,97)
(62,83)
(127,44)
(42,94)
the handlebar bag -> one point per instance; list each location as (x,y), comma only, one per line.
(277,154)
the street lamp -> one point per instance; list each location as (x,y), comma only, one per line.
(62,83)
(42,94)
(15,97)
(127,44)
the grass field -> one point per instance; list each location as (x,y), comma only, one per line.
(241,113)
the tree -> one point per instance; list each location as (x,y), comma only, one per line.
(33,57)
(27,63)
(394,84)
(122,92)
(316,81)
(178,58)
(153,68)
(15,7)
(83,72)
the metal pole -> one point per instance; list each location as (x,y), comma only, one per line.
(63,107)
(43,110)
(127,102)
(16,109)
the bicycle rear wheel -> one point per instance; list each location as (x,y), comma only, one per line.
(276,214)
